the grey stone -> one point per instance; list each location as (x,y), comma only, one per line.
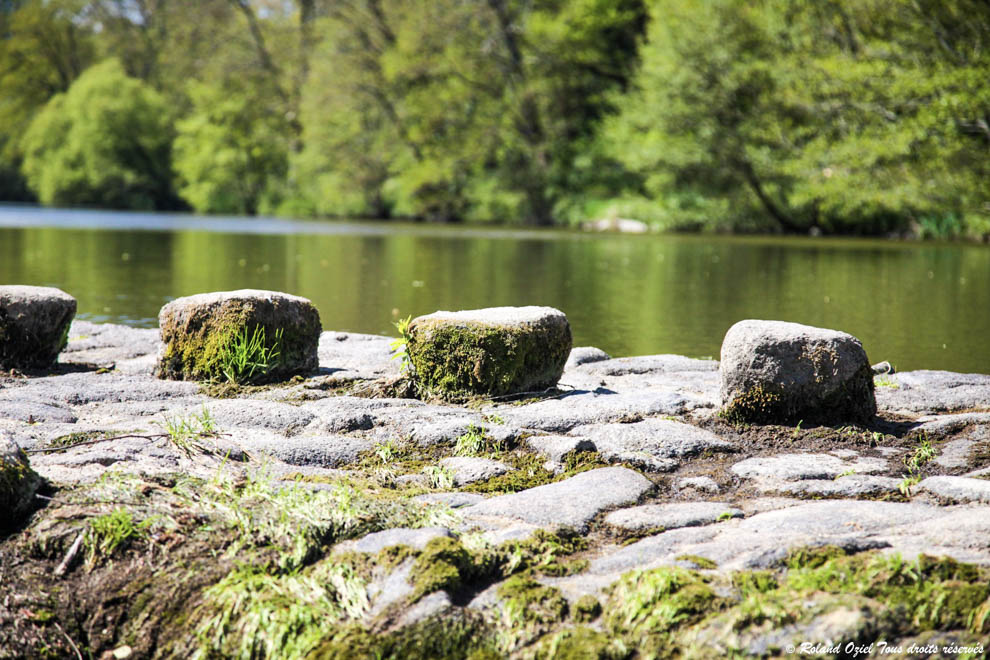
(341,414)
(671,515)
(241,413)
(109,344)
(649,364)
(564,413)
(34,324)
(427,607)
(18,483)
(454,500)
(494,351)
(943,425)
(556,447)
(468,469)
(957,452)
(957,489)
(191,326)
(881,368)
(777,372)
(853,485)
(327,451)
(84,388)
(585,355)
(793,467)
(349,355)
(392,589)
(935,391)
(569,503)
(703,484)
(377,541)
(34,411)
(652,443)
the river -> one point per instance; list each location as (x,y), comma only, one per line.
(917,305)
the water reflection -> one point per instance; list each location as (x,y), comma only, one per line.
(919,306)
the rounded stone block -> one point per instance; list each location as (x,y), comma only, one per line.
(245,336)
(493,352)
(773,372)
(34,325)
(18,483)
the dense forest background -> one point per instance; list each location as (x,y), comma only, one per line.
(833,116)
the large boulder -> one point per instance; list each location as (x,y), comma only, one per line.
(774,372)
(493,352)
(34,325)
(18,483)
(245,336)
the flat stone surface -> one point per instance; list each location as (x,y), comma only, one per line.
(562,414)
(83,388)
(33,411)
(328,451)
(108,344)
(453,500)
(779,372)
(556,447)
(469,469)
(653,444)
(377,541)
(943,425)
(852,485)
(241,413)
(648,364)
(957,453)
(572,502)
(349,355)
(935,391)
(793,467)
(671,516)
(957,489)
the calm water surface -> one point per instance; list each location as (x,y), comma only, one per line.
(920,306)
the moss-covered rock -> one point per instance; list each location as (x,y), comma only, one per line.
(782,373)
(34,325)
(18,482)
(490,352)
(245,336)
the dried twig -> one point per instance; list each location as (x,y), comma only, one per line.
(69,639)
(70,555)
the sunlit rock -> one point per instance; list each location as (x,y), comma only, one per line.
(774,372)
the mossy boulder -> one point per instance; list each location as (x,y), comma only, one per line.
(774,372)
(18,483)
(245,336)
(34,325)
(490,352)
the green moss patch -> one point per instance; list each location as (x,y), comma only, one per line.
(456,360)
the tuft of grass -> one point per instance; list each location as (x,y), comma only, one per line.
(184,432)
(885,381)
(440,477)
(112,532)
(386,451)
(246,355)
(922,454)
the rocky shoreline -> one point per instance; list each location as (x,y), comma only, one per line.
(617,515)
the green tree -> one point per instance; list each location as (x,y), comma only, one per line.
(231,152)
(105,142)
(42,51)
(843,116)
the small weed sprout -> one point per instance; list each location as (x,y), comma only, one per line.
(884,381)
(386,451)
(921,455)
(471,443)
(725,515)
(494,419)
(398,346)
(847,473)
(244,356)
(441,478)
(905,486)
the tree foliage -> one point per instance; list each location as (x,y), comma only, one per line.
(105,142)
(844,116)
